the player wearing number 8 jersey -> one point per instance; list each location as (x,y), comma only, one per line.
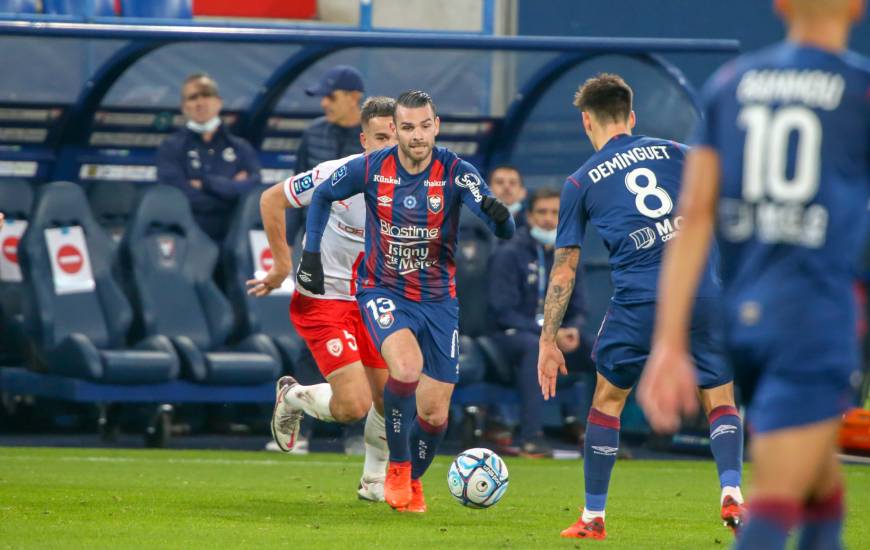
(783,154)
(330,323)
(627,190)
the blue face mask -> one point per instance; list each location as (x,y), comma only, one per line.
(543,236)
(515,207)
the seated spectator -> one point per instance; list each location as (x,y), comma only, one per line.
(519,271)
(506,183)
(209,164)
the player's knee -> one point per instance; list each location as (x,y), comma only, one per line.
(434,413)
(353,410)
(405,369)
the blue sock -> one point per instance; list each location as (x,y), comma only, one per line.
(726,442)
(400,406)
(770,521)
(425,439)
(599,456)
(823,523)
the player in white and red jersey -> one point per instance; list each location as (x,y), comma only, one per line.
(330,323)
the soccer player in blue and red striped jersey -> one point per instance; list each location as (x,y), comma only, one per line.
(783,155)
(406,283)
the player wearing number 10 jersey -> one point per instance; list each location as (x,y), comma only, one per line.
(783,154)
(627,190)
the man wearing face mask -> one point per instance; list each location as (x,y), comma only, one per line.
(519,272)
(212,167)
(506,184)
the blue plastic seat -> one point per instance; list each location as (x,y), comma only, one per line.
(92,8)
(16,203)
(112,203)
(268,315)
(82,332)
(168,262)
(167,9)
(19,6)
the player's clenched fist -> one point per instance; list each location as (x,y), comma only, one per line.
(310,274)
(494,208)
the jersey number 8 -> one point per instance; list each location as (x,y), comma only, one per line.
(650,188)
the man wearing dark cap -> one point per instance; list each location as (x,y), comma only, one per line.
(334,135)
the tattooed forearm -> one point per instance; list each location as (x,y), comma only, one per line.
(559,292)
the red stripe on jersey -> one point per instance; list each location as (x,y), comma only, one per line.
(384,199)
(353,271)
(435,213)
(451,261)
(575,182)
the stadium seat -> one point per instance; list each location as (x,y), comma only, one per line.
(168,263)
(245,253)
(19,6)
(73,309)
(472,262)
(112,203)
(93,8)
(169,9)
(16,203)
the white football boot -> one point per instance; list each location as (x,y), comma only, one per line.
(285,419)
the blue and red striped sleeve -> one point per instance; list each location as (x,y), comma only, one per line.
(347,181)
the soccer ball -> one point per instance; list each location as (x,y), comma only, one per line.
(478,478)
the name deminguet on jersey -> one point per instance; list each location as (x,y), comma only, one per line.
(813,88)
(625,159)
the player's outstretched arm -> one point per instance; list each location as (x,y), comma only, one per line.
(550,359)
(273,203)
(668,387)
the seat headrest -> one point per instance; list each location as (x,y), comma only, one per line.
(164,207)
(113,198)
(16,199)
(61,204)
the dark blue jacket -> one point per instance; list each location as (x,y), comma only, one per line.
(184,156)
(321,141)
(513,286)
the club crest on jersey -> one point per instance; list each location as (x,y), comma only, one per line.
(335,347)
(436,202)
(410,202)
(303,184)
(339,174)
(386,320)
(471,182)
(229,155)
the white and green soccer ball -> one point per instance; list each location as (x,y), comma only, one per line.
(478,478)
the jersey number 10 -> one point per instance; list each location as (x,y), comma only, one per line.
(765,153)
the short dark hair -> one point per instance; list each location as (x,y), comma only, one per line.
(377,106)
(606,96)
(209,83)
(414,99)
(543,193)
(510,167)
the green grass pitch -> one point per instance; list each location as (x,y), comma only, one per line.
(86,498)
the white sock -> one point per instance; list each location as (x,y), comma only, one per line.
(733,492)
(377,454)
(589,515)
(314,400)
